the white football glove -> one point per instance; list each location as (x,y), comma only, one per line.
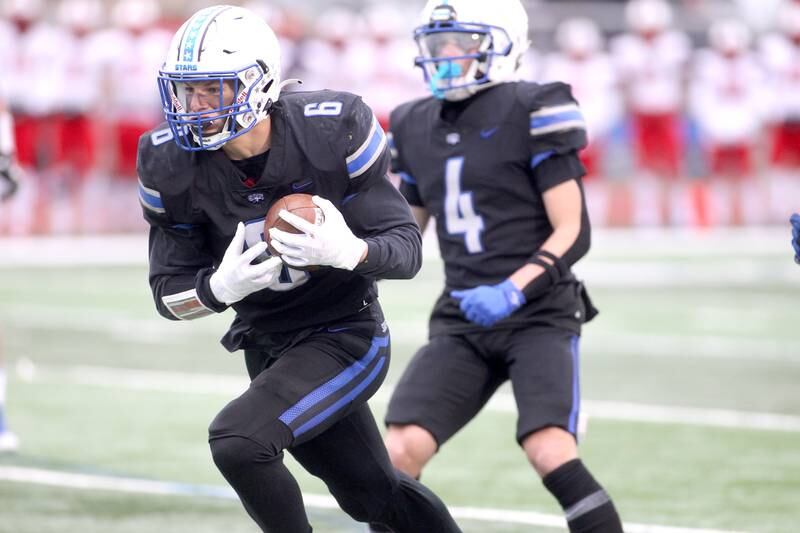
(235,277)
(331,243)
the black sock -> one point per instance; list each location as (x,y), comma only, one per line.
(587,506)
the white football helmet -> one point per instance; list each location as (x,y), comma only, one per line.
(135,14)
(386,20)
(789,20)
(339,24)
(229,45)
(80,14)
(492,37)
(648,16)
(23,9)
(729,36)
(579,37)
(267,11)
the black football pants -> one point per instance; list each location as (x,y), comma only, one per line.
(311,401)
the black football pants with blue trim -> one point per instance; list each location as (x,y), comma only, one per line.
(309,398)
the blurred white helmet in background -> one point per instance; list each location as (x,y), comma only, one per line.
(648,16)
(789,19)
(386,20)
(493,36)
(135,14)
(267,11)
(729,36)
(339,24)
(80,14)
(23,9)
(579,37)
(224,44)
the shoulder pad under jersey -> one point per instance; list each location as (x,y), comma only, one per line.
(165,176)
(414,114)
(556,123)
(335,129)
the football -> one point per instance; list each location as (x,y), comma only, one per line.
(299,204)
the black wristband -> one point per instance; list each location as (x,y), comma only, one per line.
(558,263)
(549,269)
(554,270)
(204,292)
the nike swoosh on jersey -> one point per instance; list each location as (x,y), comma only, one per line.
(338,330)
(301,185)
(485,134)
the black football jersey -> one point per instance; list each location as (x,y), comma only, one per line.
(323,142)
(480,167)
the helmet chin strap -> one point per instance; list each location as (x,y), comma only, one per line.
(214,137)
(449,70)
(463,93)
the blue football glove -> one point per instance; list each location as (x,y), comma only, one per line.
(795,220)
(487,304)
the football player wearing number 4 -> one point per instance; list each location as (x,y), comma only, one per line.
(495,161)
(315,344)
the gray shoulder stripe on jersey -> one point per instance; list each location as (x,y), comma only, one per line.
(554,110)
(556,118)
(363,158)
(560,126)
(365,144)
(150,199)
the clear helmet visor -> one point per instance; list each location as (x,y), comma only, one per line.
(205,105)
(451,43)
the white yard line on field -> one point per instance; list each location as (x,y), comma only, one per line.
(320,501)
(231,385)
(665,253)
(131,248)
(156,330)
(74,250)
(754,348)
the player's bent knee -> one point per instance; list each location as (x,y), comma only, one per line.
(231,454)
(234,453)
(410,448)
(549,448)
(268,441)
